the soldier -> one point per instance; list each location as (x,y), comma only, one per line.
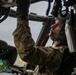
(36,55)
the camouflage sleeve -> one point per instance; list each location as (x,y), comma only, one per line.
(33,54)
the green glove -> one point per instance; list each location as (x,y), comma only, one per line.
(22,8)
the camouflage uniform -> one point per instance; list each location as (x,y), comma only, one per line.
(36,55)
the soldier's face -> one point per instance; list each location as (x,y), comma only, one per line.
(56,28)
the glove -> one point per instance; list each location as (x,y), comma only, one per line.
(22,8)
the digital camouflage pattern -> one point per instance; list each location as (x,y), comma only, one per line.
(36,55)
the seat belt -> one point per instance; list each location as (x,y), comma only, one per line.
(71,37)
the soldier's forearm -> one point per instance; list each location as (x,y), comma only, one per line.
(22,36)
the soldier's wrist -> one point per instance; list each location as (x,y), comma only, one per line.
(23,17)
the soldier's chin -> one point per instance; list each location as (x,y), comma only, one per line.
(55,36)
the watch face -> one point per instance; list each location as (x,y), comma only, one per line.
(1,62)
(3,65)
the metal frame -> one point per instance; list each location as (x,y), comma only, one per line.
(45,30)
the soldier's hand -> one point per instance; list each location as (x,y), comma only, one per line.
(22,7)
